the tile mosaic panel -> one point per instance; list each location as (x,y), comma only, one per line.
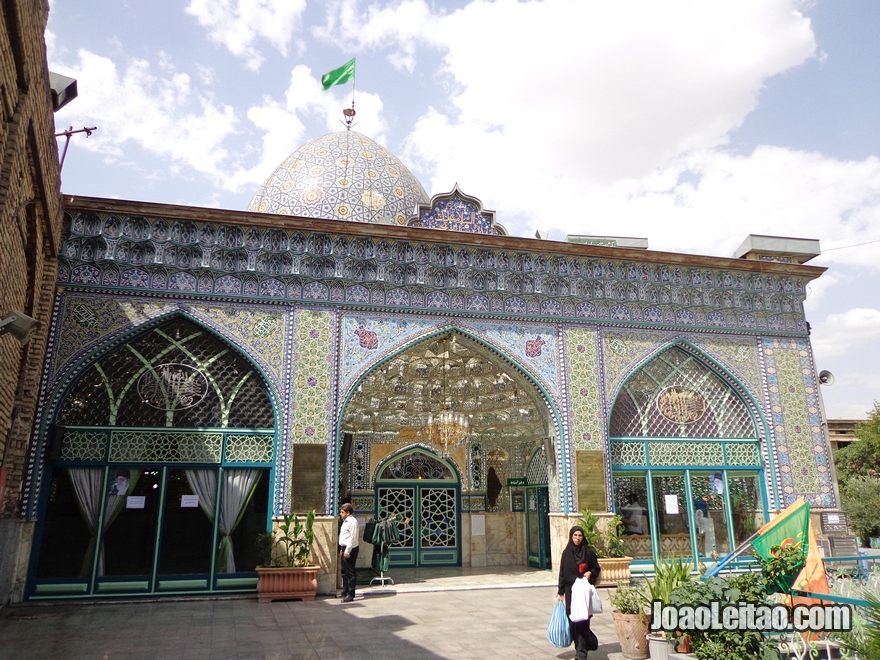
(685,453)
(534,347)
(270,263)
(263,330)
(622,350)
(738,354)
(625,452)
(86,321)
(313,358)
(366,339)
(802,450)
(585,416)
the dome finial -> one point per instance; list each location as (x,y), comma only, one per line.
(349,116)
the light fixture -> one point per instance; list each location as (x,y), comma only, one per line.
(446,428)
(19,325)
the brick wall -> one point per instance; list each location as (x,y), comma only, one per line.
(31,212)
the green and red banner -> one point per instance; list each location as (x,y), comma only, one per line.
(788,528)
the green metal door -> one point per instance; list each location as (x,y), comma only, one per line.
(429,530)
(538,526)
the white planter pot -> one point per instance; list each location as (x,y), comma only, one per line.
(658,647)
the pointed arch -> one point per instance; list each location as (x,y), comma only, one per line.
(540,397)
(420,459)
(536,468)
(253,381)
(680,391)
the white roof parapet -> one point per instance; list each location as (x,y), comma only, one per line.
(778,249)
(609,241)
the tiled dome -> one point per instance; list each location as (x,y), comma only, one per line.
(341,176)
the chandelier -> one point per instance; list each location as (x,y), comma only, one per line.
(445,428)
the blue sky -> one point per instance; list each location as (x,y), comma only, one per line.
(690,123)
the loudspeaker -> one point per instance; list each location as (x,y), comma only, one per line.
(56,440)
(826,378)
(345,449)
(549,452)
(19,325)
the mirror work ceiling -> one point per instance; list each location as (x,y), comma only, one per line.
(449,372)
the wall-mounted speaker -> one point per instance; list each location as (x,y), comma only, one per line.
(345,449)
(826,378)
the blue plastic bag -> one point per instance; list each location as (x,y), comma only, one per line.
(559,630)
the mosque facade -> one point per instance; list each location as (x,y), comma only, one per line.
(349,337)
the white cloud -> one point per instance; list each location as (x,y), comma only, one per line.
(841,334)
(240,25)
(402,27)
(158,113)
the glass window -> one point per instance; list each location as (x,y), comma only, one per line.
(710,513)
(252,521)
(130,517)
(746,504)
(66,536)
(670,506)
(188,522)
(631,502)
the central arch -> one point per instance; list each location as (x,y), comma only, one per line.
(447,399)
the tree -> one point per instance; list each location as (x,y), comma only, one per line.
(862,457)
(861,501)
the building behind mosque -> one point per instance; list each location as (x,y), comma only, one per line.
(350,336)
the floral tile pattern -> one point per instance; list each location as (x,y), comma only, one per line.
(804,459)
(312,364)
(583,388)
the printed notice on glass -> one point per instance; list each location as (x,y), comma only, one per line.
(135,501)
(189,501)
(671,504)
(833,518)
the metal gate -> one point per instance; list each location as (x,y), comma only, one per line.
(537,526)
(424,492)
(429,532)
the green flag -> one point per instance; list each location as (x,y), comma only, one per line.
(338,76)
(788,528)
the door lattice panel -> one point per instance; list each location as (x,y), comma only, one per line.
(438,516)
(400,501)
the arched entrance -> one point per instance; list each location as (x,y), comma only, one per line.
(161,472)
(686,465)
(424,491)
(451,412)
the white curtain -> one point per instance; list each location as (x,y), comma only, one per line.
(204,483)
(238,486)
(88,485)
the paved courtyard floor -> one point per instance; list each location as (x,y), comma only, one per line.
(468,614)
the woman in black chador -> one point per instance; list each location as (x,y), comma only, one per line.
(578,560)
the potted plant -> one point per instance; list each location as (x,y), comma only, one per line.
(669,575)
(725,644)
(630,621)
(286,553)
(609,548)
